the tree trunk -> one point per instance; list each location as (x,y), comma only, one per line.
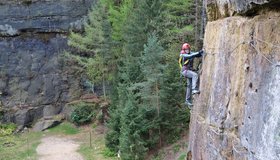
(92,88)
(158,111)
(104,87)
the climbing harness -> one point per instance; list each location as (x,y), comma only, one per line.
(182,62)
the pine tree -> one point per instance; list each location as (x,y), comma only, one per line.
(153,67)
(179,21)
(132,144)
(139,24)
(92,38)
(95,42)
(148,93)
(112,136)
(118,18)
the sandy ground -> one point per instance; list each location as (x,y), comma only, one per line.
(58,148)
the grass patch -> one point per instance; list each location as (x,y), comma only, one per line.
(64,128)
(93,153)
(97,150)
(20,147)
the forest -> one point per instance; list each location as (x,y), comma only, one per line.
(131,48)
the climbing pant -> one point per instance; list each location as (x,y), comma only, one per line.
(192,82)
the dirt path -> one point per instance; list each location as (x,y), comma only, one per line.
(58,148)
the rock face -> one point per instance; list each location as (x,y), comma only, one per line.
(237,114)
(34,80)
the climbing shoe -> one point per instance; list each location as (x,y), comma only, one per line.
(188,103)
(195,91)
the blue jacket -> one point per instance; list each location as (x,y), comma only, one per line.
(186,60)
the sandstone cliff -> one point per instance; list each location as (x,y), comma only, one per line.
(33,34)
(237,114)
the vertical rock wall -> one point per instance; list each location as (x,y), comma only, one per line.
(34,81)
(237,114)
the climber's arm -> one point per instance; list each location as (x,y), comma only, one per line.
(192,54)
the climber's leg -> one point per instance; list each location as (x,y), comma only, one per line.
(194,77)
(188,90)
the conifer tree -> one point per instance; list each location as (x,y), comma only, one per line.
(179,21)
(153,67)
(95,42)
(132,145)
(148,93)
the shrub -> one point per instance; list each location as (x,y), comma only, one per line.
(108,153)
(7,129)
(82,114)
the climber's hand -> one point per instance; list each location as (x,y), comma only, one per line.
(201,52)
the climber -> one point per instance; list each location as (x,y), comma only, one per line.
(186,62)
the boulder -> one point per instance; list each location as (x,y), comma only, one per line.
(48,122)
(45,124)
(27,116)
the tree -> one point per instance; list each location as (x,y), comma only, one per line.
(153,67)
(95,42)
(132,144)
(147,102)
(179,21)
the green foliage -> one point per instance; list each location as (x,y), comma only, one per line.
(132,145)
(118,18)
(92,64)
(108,153)
(176,148)
(152,59)
(96,42)
(148,86)
(174,118)
(7,129)
(82,113)
(92,38)
(135,45)
(112,136)
(179,14)
(182,157)
(139,23)
(64,128)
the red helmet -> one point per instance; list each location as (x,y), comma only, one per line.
(186,46)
